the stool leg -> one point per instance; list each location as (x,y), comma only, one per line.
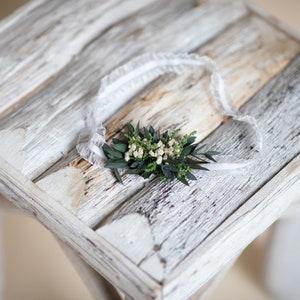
(96,284)
(282,272)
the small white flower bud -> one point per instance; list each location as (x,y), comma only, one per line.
(160,151)
(159,144)
(133,147)
(165,157)
(135,153)
(151,153)
(159,160)
(127,157)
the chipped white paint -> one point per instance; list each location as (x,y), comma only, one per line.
(31,58)
(56,115)
(132,235)
(153,241)
(162,104)
(104,258)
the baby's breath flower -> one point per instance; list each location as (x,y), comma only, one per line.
(127,156)
(159,160)
(151,153)
(160,151)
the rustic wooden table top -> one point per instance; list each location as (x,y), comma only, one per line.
(150,239)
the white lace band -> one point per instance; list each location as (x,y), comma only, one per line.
(126,81)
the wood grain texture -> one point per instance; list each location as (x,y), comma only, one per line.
(152,240)
(253,51)
(37,45)
(184,220)
(53,119)
(104,258)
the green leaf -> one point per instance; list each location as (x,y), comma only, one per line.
(209,157)
(115,163)
(130,129)
(133,171)
(147,134)
(121,147)
(117,175)
(151,130)
(190,176)
(137,128)
(171,168)
(186,151)
(198,167)
(165,135)
(167,172)
(137,164)
(117,141)
(183,180)
(110,153)
(190,140)
(146,175)
(212,153)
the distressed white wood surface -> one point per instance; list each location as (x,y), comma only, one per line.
(181,218)
(53,118)
(39,44)
(185,234)
(104,258)
(253,53)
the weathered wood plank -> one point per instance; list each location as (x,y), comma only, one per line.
(104,258)
(37,45)
(53,118)
(177,219)
(253,51)
(238,231)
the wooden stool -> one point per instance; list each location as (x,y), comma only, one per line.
(149,239)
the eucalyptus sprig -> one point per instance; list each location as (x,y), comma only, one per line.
(144,151)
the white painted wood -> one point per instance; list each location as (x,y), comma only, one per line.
(31,47)
(185,235)
(104,258)
(254,53)
(251,219)
(53,118)
(282,257)
(182,218)
(135,242)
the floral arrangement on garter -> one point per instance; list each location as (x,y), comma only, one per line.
(144,151)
